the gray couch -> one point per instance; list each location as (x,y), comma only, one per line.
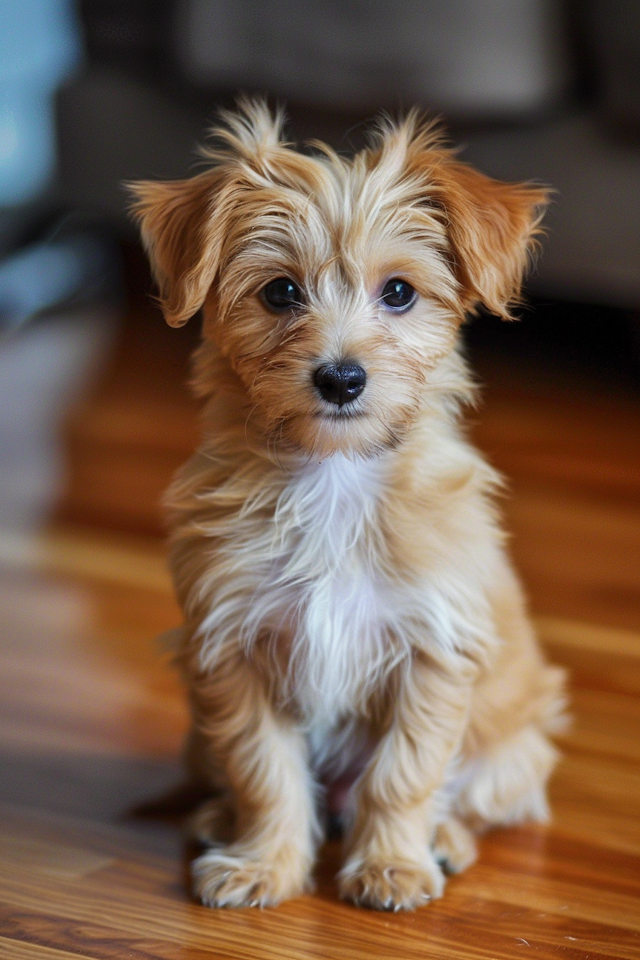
(534,88)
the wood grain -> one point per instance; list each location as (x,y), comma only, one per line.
(92,714)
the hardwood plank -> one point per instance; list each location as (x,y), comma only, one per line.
(130,560)
(52,859)
(320,926)
(19,950)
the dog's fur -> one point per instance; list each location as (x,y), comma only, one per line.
(349,607)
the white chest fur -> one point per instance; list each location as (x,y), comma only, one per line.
(307,578)
(324,590)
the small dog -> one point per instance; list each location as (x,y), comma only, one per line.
(353,628)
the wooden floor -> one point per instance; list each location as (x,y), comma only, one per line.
(92,715)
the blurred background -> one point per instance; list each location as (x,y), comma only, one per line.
(95,416)
(98,92)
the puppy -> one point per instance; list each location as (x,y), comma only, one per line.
(351,616)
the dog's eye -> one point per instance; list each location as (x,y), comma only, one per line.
(282,294)
(398,294)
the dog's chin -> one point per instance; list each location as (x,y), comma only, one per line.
(356,434)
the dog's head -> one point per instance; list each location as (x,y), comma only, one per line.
(335,286)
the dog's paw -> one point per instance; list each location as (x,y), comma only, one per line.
(454,846)
(213,821)
(391,885)
(224,878)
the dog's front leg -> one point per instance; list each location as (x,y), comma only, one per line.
(263,755)
(390,864)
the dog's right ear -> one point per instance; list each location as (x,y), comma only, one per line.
(182,223)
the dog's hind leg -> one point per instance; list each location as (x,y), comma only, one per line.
(508,784)
(214,821)
(454,845)
(503,788)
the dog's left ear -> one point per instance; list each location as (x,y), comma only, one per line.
(492,228)
(183,225)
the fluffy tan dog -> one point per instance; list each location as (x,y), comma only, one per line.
(349,608)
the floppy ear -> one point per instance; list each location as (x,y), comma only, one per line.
(183,226)
(492,228)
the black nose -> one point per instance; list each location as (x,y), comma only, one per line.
(340,383)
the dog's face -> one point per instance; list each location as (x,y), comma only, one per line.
(334,287)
